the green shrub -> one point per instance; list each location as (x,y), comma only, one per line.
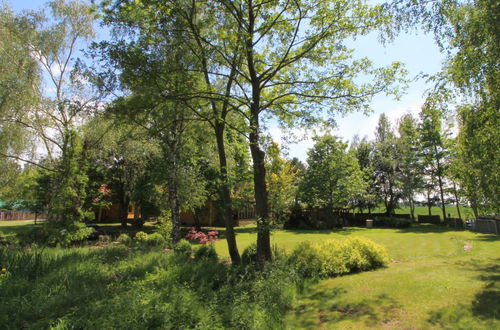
(249,255)
(63,234)
(67,234)
(124,239)
(156,239)
(165,226)
(183,248)
(392,222)
(141,237)
(206,252)
(337,257)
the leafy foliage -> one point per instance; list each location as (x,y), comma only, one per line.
(206,252)
(338,257)
(333,178)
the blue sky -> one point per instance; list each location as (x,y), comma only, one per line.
(417,50)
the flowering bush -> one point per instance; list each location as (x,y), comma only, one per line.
(203,238)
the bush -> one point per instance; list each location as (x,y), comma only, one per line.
(201,237)
(337,257)
(249,255)
(183,248)
(141,237)
(206,252)
(124,239)
(165,226)
(156,239)
(63,234)
(69,234)
(392,222)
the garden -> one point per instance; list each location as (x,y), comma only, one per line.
(418,277)
(250,164)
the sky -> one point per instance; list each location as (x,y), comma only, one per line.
(417,51)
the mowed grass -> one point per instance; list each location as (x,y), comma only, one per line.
(438,278)
(465,212)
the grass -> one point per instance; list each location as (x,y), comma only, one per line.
(438,278)
(13,228)
(465,212)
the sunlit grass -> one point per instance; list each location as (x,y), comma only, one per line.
(438,278)
(465,212)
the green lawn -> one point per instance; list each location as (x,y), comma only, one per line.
(465,212)
(438,278)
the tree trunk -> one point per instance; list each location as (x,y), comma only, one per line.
(440,182)
(441,193)
(429,204)
(175,210)
(457,203)
(412,208)
(226,196)
(261,202)
(197,222)
(138,221)
(124,210)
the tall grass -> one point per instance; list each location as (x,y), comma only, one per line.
(124,288)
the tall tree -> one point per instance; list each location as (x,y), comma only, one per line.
(386,164)
(295,64)
(51,37)
(198,24)
(434,151)
(469,33)
(365,152)
(410,159)
(19,73)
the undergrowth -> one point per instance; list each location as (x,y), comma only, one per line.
(142,286)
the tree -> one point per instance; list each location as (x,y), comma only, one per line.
(364,151)
(194,22)
(295,64)
(386,165)
(434,151)
(281,184)
(476,173)
(469,33)
(333,178)
(19,73)
(51,41)
(410,159)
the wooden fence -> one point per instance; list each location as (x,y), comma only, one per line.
(20,215)
(487,225)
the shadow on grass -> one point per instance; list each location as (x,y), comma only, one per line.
(487,238)
(253,230)
(427,229)
(484,311)
(325,307)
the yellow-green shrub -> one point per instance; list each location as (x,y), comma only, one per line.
(337,257)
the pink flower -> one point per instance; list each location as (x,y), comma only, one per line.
(202,237)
